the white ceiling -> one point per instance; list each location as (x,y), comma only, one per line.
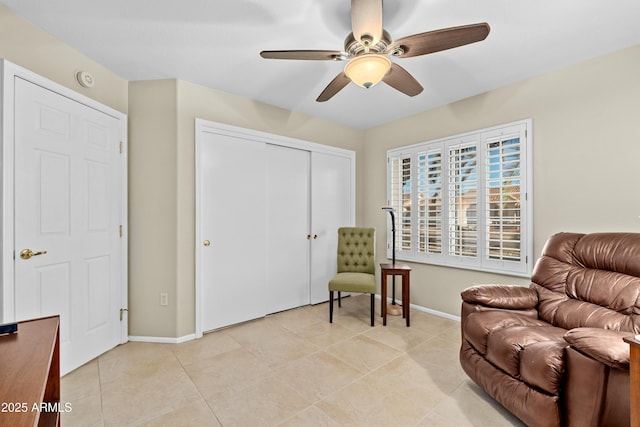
(216,43)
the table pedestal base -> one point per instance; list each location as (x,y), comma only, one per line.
(394,309)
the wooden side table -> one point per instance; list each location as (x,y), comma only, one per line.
(634,378)
(30,374)
(396,270)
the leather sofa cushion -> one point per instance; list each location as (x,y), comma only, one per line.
(542,364)
(479,325)
(504,346)
(527,349)
(533,406)
(551,273)
(615,291)
(585,302)
(573,313)
(609,252)
(590,280)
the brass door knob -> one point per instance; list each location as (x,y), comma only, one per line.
(28,253)
(206,243)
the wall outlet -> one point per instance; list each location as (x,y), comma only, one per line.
(164,298)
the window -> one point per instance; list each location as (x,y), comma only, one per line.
(463,201)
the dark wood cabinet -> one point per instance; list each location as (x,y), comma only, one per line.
(634,378)
(30,374)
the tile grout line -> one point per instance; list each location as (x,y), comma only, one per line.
(100,388)
(195,385)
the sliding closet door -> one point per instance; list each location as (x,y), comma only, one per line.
(232,230)
(332,207)
(288,236)
(268,211)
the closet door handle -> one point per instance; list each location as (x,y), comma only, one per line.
(308,236)
(315,236)
(28,253)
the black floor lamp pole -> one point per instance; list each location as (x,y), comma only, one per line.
(393,252)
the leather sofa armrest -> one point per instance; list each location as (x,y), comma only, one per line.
(604,345)
(501,296)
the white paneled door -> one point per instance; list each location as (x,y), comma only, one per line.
(67,218)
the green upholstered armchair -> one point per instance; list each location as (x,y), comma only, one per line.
(356,265)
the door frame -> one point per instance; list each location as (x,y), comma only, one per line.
(201,126)
(8,73)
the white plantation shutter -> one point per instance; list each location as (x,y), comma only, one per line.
(463,198)
(462,201)
(430,220)
(505,197)
(400,200)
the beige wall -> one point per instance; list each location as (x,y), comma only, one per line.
(30,47)
(153,191)
(586,151)
(162,189)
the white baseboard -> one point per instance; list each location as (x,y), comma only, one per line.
(436,312)
(163,340)
(428,310)
(167,340)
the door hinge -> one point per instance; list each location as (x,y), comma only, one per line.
(120,231)
(121,147)
(122,310)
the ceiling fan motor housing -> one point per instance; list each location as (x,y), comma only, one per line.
(355,47)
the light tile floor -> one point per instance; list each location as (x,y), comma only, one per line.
(289,369)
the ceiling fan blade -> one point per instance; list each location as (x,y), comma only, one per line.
(400,79)
(336,85)
(318,55)
(366,19)
(435,41)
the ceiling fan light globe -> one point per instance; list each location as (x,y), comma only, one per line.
(367,70)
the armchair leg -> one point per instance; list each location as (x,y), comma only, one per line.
(372,308)
(330,306)
(339,300)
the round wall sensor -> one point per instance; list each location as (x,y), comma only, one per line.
(85,79)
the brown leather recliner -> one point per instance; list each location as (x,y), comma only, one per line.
(553,353)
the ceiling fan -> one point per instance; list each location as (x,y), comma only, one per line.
(368,48)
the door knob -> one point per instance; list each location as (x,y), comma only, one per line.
(28,253)
(206,243)
(315,236)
